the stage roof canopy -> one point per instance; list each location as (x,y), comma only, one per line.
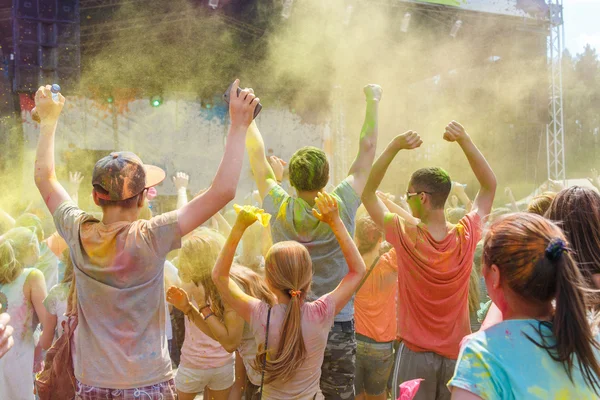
(533,9)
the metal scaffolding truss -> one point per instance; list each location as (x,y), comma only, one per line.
(555,131)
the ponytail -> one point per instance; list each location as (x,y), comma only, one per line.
(571,327)
(10,268)
(535,262)
(291,350)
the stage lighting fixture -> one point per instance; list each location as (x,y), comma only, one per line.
(287,8)
(348,17)
(110,99)
(455,28)
(156,101)
(213,4)
(206,104)
(405,22)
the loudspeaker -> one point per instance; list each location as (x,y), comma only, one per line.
(47,9)
(26,8)
(27,79)
(27,31)
(68,11)
(46,43)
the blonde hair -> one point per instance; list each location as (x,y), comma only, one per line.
(251,283)
(197,257)
(288,268)
(14,246)
(10,268)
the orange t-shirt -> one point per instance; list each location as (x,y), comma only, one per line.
(433,283)
(375,302)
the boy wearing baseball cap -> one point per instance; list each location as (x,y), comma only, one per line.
(121,344)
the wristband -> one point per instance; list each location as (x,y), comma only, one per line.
(205,316)
(208,315)
(203,307)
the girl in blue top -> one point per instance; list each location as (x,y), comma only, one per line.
(539,351)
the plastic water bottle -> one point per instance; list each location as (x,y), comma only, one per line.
(55,90)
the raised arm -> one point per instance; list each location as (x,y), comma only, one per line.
(48,110)
(261,169)
(222,190)
(359,170)
(75,179)
(511,197)
(230,292)
(482,170)
(328,212)
(396,209)
(222,225)
(181,180)
(375,207)
(278,166)
(227,332)
(459,190)
(35,289)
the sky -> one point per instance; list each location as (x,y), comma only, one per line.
(581,24)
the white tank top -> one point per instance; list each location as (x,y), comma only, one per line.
(16,367)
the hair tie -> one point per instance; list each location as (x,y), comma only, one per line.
(295,293)
(555,249)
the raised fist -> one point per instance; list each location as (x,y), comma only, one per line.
(373,92)
(407,141)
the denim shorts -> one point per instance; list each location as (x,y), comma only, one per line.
(374,363)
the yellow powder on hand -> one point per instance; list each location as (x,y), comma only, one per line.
(263,217)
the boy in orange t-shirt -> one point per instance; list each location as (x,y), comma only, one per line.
(374,313)
(434,261)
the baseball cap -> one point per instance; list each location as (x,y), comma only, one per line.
(122,175)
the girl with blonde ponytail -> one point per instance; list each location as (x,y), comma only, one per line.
(209,318)
(297,330)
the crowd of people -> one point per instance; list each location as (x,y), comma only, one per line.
(334,291)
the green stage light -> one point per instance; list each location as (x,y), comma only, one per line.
(110,99)
(156,101)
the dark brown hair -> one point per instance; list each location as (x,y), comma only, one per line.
(128,203)
(368,234)
(434,181)
(519,245)
(577,211)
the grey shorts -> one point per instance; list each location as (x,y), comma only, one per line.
(436,371)
(374,363)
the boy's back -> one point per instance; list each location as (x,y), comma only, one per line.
(433,282)
(121,340)
(294,221)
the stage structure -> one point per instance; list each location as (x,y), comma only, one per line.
(550,17)
(555,132)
